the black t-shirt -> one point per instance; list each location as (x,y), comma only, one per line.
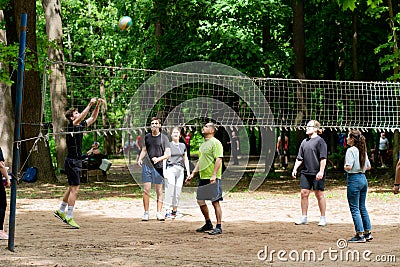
(74,141)
(311,152)
(234,140)
(1,155)
(155,146)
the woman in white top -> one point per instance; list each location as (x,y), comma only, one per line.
(356,163)
(174,173)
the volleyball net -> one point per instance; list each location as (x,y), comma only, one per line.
(186,94)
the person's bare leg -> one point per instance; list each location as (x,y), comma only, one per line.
(304,201)
(218,211)
(159,193)
(146,195)
(321,201)
(205,212)
(72,194)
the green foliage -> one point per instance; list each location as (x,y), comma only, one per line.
(351,4)
(8,54)
(338,157)
(4,4)
(195,142)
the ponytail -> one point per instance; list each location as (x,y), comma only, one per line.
(359,142)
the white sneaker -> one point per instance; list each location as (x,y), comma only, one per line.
(145,216)
(322,221)
(303,220)
(160,216)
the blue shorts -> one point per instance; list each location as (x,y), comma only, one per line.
(152,175)
(207,191)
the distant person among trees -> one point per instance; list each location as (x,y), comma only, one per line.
(187,142)
(313,153)
(285,150)
(235,148)
(382,149)
(92,161)
(138,143)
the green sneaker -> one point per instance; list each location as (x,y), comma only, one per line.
(60,215)
(72,223)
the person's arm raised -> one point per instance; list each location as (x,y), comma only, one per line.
(84,113)
(95,112)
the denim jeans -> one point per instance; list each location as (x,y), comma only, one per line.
(357,187)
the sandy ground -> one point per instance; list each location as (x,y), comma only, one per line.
(112,234)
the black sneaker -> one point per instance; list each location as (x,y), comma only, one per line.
(368,236)
(206,227)
(357,239)
(216,231)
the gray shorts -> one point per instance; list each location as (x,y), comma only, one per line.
(207,191)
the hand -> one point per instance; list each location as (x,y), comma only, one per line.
(156,160)
(93,100)
(189,178)
(396,189)
(8,183)
(140,162)
(101,100)
(294,173)
(213,179)
(319,176)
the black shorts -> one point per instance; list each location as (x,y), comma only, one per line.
(382,152)
(310,182)
(207,191)
(73,169)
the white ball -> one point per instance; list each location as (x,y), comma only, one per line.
(125,23)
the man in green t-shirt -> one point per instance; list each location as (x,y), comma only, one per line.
(210,168)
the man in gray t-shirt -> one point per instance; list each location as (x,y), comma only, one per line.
(312,155)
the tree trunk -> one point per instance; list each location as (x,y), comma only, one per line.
(354,46)
(159,10)
(266,39)
(299,67)
(57,79)
(396,136)
(35,152)
(108,147)
(6,110)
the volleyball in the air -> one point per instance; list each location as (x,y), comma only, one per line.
(125,23)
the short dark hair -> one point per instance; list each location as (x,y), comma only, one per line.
(69,113)
(156,119)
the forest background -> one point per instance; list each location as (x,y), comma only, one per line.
(319,39)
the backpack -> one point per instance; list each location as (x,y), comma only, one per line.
(30,176)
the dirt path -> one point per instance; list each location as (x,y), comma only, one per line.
(112,233)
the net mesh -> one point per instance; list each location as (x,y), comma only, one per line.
(135,95)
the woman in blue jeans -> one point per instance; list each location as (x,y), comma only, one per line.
(356,163)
